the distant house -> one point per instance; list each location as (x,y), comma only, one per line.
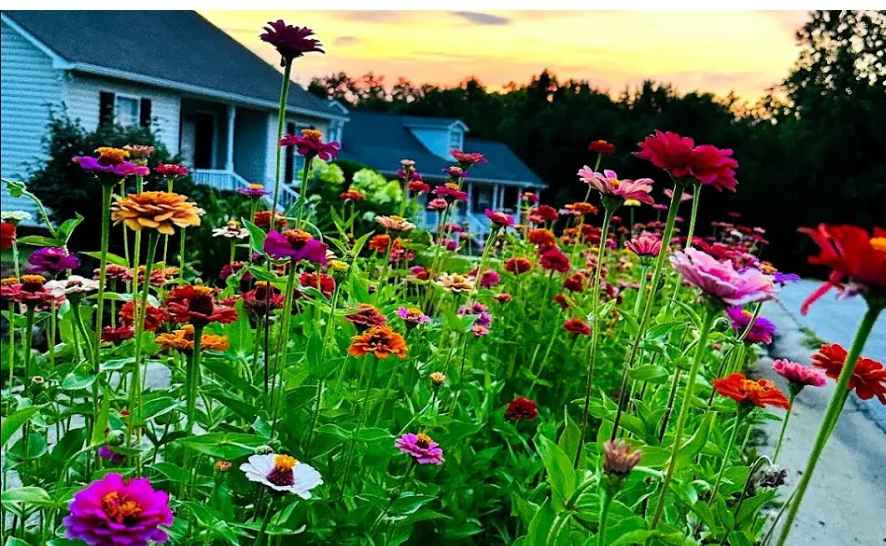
(209,99)
(382,140)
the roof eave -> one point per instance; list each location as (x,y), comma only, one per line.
(195,89)
(58,62)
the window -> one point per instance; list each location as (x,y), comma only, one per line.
(456,139)
(126,111)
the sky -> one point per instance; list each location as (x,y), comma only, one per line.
(717,52)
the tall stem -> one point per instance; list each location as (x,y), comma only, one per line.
(707,322)
(605,503)
(135,398)
(784,428)
(831,416)
(281,121)
(595,332)
(650,300)
(29,336)
(193,377)
(696,196)
(282,338)
(738,420)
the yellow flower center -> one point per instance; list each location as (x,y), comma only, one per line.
(120,507)
(109,155)
(878,244)
(284,462)
(423,439)
(33,280)
(256,187)
(311,133)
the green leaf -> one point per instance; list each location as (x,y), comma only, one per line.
(13,422)
(112,258)
(101,422)
(29,496)
(561,475)
(77,380)
(656,375)
(39,240)
(695,444)
(256,236)
(64,231)
(224,445)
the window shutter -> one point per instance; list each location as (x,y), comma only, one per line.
(105,108)
(144,116)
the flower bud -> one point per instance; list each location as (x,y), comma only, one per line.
(437,379)
(222,465)
(619,459)
(38,383)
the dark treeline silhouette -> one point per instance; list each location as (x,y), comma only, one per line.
(813,150)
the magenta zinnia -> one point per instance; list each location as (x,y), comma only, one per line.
(116,512)
(420,447)
(290,41)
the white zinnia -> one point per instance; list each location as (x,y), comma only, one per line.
(16,216)
(301,477)
(75,284)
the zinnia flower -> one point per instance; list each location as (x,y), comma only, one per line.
(762,330)
(412,316)
(171,170)
(117,335)
(183,340)
(116,171)
(366,316)
(608,184)
(619,458)
(518,265)
(7,235)
(158,210)
(647,245)
(75,286)
(601,147)
(499,219)
(295,245)
(319,281)
(258,302)
(395,223)
(747,392)
(197,305)
(720,280)
(489,278)
(868,379)
(310,144)
(521,409)
(420,447)
(263,220)
(353,195)
(541,237)
(553,259)
(231,230)
(468,159)
(798,375)
(577,327)
(290,41)
(253,191)
(483,320)
(851,254)
(282,473)
(529,197)
(418,186)
(543,213)
(681,158)
(51,259)
(455,283)
(117,512)
(381,341)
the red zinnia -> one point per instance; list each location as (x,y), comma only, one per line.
(154,316)
(380,242)
(575,282)
(196,305)
(518,265)
(365,316)
(868,379)
(759,392)
(543,213)
(541,237)
(577,327)
(852,254)
(601,147)
(553,259)
(521,409)
(7,235)
(321,281)
(468,159)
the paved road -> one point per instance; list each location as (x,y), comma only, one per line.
(835,321)
(845,504)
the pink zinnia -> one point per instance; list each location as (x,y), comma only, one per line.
(646,245)
(310,144)
(667,151)
(720,280)
(420,447)
(171,169)
(468,159)
(714,167)
(116,512)
(798,374)
(499,219)
(608,183)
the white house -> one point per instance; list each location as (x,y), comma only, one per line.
(208,97)
(212,101)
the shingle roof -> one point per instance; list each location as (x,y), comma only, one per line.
(179,46)
(382,140)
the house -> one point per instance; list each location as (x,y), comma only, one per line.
(381,140)
(207,96)
(212,101)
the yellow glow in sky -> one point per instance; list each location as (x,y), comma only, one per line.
(717,52)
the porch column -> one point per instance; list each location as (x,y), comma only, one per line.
(232,117)
(517,210)
(494,197)
(469,207)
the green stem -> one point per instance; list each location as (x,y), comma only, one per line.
(281,121)
(696,196)
(729,444)
(707,322)
(832,415)
(11,356)
(784,427)
(193,378)
(605,503)
(102,269)
(181,254)
(595,332)
(29,336)
(650,301)
(282,339)
(139,314)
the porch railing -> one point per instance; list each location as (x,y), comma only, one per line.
(224,180)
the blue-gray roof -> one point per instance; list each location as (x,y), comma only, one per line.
(382,140)
(176,46)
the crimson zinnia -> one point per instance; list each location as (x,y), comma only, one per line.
(197,305)
(868,379)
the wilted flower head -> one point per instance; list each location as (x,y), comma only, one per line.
(282,473)
(115,512)
(158,210)
(521,409)
(868,378)
(437,378)
(290,41)
(51,259)
(420,447)
(720,280)
(619,458)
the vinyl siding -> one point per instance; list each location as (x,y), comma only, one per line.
(321,125)
(29,86)
(82,100)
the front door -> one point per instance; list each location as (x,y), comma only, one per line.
(198,140)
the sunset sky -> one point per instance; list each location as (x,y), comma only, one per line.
(714,51)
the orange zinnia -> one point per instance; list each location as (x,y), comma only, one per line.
(183,340)
(158,210)
(381,341)
(759,392)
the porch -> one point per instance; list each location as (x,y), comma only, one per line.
(482,195)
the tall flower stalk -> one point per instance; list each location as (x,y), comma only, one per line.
(832,414)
